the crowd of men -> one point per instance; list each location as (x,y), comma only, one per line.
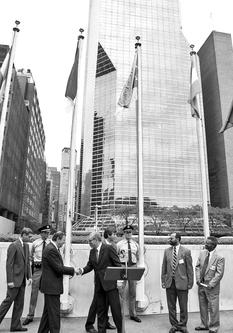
(45,264)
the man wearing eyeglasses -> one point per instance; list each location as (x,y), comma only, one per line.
(128,251)
(101,256)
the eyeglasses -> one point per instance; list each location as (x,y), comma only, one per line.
(128,232)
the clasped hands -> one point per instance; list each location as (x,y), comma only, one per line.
(78,271)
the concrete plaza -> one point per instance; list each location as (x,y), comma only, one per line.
(150,324)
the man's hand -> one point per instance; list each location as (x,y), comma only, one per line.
(29,282)
(78,271)
(198,283)
(208,287)
(163,285)
(11,284)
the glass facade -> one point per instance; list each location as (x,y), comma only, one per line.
(170,152)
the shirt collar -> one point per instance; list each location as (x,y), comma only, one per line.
(107,242)
(20,239)
(98,248)
(54,244)
(177,248)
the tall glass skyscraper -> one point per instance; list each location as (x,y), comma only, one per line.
(170,151)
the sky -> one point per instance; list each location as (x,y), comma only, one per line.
(47,42)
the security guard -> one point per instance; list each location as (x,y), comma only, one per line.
(36,256)
(128,251)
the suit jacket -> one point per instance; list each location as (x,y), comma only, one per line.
(107,257)
(17,263)
(51,282)
(183,272)
(214,271)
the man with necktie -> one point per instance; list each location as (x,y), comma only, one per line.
(17,272)
(102,256)
(177,278)
(36,256)
(209,272)
(51,283)
(128,251)
(109,239)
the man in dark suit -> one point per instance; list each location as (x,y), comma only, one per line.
(177,278)
(209,272)
(101,256)
(109,239)
(17,272)
(51,283)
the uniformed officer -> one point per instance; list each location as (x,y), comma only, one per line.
(36,256)
(128,251)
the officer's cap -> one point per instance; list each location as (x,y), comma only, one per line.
(44,228)
(128,227)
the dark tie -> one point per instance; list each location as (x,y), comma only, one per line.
(96,255)
(24,249)
(174,260)
(130,263)
(206,262)
(44,243)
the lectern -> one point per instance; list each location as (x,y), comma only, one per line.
(124,273)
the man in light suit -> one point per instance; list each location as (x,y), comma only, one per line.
(177,278)
(209,272)
(18,270)
(51,283)
(101,256)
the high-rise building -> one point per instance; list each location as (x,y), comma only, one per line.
(216,64)
(13,154)
(64,183)
(171,168)
(53,176)
(35,171)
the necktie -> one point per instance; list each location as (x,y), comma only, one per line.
(44,243)
(174,260)
(96,254)
(24,249)
(206,262)
(129,254)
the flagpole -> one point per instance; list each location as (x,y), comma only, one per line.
(7,88)
(141,263)
(66,301)
(202,154)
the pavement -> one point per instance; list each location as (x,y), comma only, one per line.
(149,324)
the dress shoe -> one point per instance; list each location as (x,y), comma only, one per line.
(138,320)
(110,326)
(210,331)
(184,330)
(91,330)
(201,328)
(20,329)
(27,321)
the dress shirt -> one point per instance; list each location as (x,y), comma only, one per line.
(122,250)
(37,247)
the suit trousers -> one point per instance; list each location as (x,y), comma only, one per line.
(34,293)
(209,307)
(132,295)
(105,298)
(15,295)
(50,320)
(92,313)
(182,295)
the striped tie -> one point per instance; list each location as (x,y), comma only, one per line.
(174,260)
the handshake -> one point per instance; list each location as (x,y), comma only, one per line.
(78,271)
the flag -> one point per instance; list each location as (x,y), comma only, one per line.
(3,74)
(229,121)
(195,89)
(132,82)
(72,84)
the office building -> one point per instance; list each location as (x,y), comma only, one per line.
(53,178)
(216,64)
(64,182)
(171,168)
(13,154)
(35,172)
